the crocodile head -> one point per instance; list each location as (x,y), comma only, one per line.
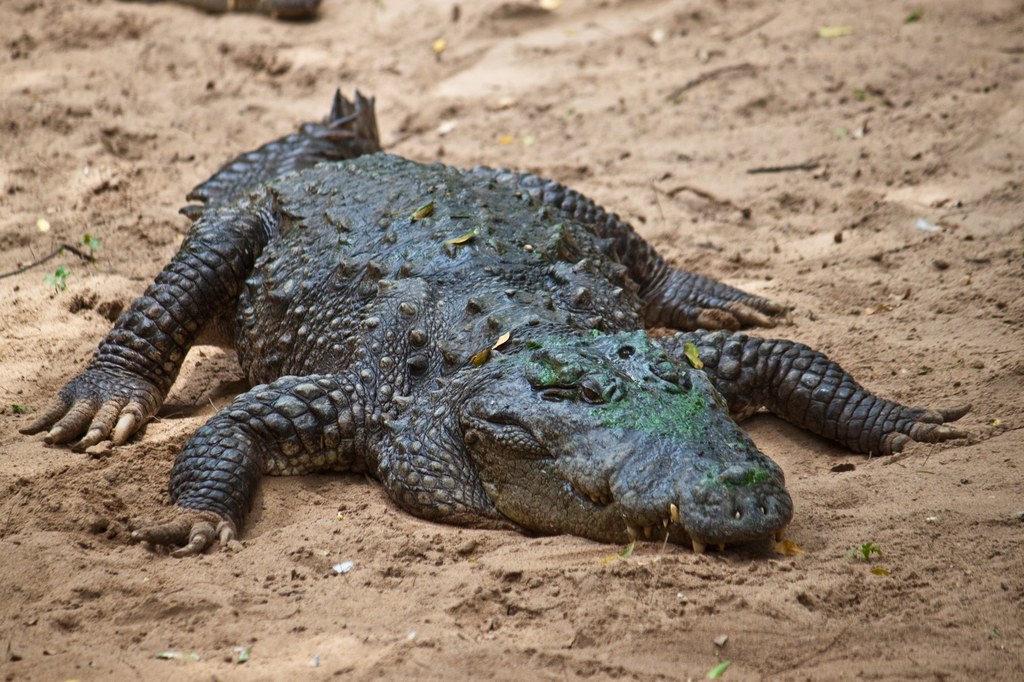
(611,438)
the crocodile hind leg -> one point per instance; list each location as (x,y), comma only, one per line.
(673,297)
(807,389)
(295,425)
(348,131)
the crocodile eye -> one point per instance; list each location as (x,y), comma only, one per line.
(591,392)
(626,352)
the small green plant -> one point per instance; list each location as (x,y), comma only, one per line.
(914,16)
(718,670)
(58,279)
(864,551)
(18,408)
(91,242)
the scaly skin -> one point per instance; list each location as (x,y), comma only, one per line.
(474,340)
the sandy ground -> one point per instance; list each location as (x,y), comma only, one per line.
(901,247)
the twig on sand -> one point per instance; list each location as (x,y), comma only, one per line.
(810,164)
(821,650)
(657,201)
(744,67)
(63,247)
(750,28)
(703,194)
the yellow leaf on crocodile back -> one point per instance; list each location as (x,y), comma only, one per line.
(423,211)
(463,238)
(693,355)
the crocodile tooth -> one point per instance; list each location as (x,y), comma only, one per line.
(698,546)
(664,523)
(721,546)
(647,532)
(673,512)
(634,531)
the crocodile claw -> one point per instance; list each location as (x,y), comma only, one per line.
(749,316)
(97,405)
(194,530)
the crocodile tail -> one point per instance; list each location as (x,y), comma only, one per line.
(350,130)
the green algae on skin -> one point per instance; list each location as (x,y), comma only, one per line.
(547,372)
(660,414)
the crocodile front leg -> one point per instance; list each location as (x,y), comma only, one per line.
(805,388)
(136,364)
(295,425)
(423,464)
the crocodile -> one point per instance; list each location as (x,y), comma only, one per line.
(476,340)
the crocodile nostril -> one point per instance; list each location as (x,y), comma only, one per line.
(743,475)
(735,475)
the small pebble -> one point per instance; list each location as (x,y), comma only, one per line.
(467,547)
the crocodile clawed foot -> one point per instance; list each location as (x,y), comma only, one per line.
(736,315)
(715,318)
(96,405)
(751,316)
(194,530)
(930,426)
